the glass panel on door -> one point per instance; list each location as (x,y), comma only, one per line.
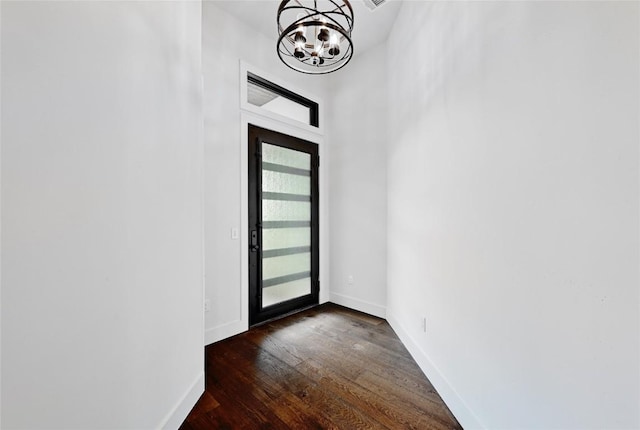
(286,224)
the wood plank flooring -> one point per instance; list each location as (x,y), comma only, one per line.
(325,368)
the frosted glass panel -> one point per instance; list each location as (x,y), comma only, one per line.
(288,108)
(282,210)
(285,183)
(286,246)
(282,292)
(276,238)
(285,157)
(286,265)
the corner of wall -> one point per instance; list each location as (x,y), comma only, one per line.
(454,402)
(223,331)
(359,305)
(178,414)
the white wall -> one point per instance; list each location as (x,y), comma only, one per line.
(227,41)
(102,277)
(513,208)
(358,195)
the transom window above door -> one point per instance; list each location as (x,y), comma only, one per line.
(281,101)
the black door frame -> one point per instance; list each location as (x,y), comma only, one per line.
(257,135)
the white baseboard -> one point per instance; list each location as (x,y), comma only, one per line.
(456,405)
(359,305)
(181,410)
(223,331)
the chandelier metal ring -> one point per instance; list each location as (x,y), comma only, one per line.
(316,40)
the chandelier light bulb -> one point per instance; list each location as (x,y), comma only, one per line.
(323,35)
(300,31)
(299,37)
(334,46)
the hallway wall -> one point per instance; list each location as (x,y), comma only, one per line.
(357,113)
(102,274)
(513,194)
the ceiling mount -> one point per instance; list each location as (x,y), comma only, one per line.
(315,35)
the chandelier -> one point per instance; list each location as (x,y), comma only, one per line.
(315,35)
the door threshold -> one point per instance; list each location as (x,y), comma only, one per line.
(279,317)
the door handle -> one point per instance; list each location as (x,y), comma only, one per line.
(254,241)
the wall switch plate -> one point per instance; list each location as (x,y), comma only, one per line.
(350,280)
(207,305)
(235,234)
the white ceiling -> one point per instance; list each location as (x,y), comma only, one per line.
(371,28)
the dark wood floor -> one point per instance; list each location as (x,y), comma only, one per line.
(324,368)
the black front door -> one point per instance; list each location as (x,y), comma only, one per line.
(283,224)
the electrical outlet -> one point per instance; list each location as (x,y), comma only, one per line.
(207,305)
(350,280)
(424,324)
